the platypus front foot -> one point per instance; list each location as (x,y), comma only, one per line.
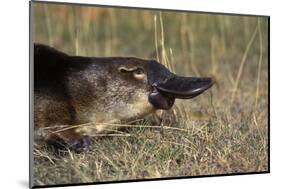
(79,144)
(82,144)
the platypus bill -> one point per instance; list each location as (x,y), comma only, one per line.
(76,90)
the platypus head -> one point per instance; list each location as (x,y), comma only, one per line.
(161,86)
(124,88)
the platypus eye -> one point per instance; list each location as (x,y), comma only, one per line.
(139,73)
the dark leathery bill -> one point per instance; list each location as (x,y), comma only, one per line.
(166,86)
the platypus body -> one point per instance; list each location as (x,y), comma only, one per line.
(73,90)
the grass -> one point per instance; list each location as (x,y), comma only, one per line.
(225,130)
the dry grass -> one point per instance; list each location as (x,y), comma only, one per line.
(223,131)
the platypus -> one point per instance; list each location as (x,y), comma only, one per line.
(76,90)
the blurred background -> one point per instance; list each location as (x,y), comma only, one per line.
(226,129)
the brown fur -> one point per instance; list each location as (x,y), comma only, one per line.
(76,90)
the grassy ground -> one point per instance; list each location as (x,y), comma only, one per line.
(225,130)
